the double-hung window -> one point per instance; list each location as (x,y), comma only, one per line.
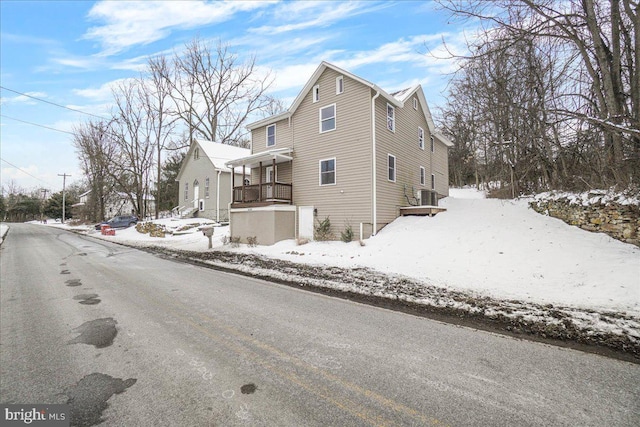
(391,118)
(328,171)
(271,135)
(420,137)
(391,163)
(328,118)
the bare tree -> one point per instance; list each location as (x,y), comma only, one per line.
(214,92)
(157,103)
(133,133)
(590,78)
(96,149)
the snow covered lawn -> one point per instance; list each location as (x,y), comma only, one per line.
(487,256)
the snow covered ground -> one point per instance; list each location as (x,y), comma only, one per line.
(497,258)
(497,248)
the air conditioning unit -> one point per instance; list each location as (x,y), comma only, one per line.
(428,198)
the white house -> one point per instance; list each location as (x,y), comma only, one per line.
(205,181)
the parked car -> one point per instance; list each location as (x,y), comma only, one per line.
(121,221)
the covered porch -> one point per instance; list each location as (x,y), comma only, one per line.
(260,185)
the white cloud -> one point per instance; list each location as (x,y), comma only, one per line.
(102,93)
(322,14)
(142,22)
(22,99)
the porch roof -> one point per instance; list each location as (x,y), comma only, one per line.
(280,155)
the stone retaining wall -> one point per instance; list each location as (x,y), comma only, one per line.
(620,221)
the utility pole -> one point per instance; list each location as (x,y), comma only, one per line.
(64,202)
(44,199)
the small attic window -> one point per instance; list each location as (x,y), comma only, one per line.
(339,85)
(316,93)
(415,103)
(196,153)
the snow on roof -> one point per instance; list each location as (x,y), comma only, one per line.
(403,95)
(219,153)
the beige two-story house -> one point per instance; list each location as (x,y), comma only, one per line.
(345,149)
(205,181)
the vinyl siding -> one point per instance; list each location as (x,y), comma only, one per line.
(403,144)
(441,167)
(349,200)
(283,173)
(284,138)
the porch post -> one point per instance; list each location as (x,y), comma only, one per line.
(260,183)
(243,182)
(273,182)
(233,185)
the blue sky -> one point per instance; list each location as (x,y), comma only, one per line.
(70,52)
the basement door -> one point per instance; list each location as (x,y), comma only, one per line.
(305,222)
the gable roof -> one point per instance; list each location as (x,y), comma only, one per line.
(397,98)
(217,153)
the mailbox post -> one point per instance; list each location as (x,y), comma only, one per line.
(208,231)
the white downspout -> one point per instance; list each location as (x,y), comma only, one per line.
(375,186)
(218,197)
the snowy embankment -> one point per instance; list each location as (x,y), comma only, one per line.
(486,257)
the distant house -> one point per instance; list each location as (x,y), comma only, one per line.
(346,150)
(116,203)
(204,180)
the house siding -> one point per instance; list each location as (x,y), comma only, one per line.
(284,137)
(349,200)
(200,169)
(441,168)
(403,144)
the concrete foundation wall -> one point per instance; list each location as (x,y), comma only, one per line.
(269,224)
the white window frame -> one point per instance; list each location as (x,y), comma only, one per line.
(316,93)
(433,144)
(274,135)
(423,176)
(335,119)
(335,171)
(415,104)
(433,181)
(395,167)
(391,119)
(196,153)
(420,137)
(339,85)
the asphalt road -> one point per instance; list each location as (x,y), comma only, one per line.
(131,339)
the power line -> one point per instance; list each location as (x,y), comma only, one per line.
(36,124)
(22,170)
(52,103)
